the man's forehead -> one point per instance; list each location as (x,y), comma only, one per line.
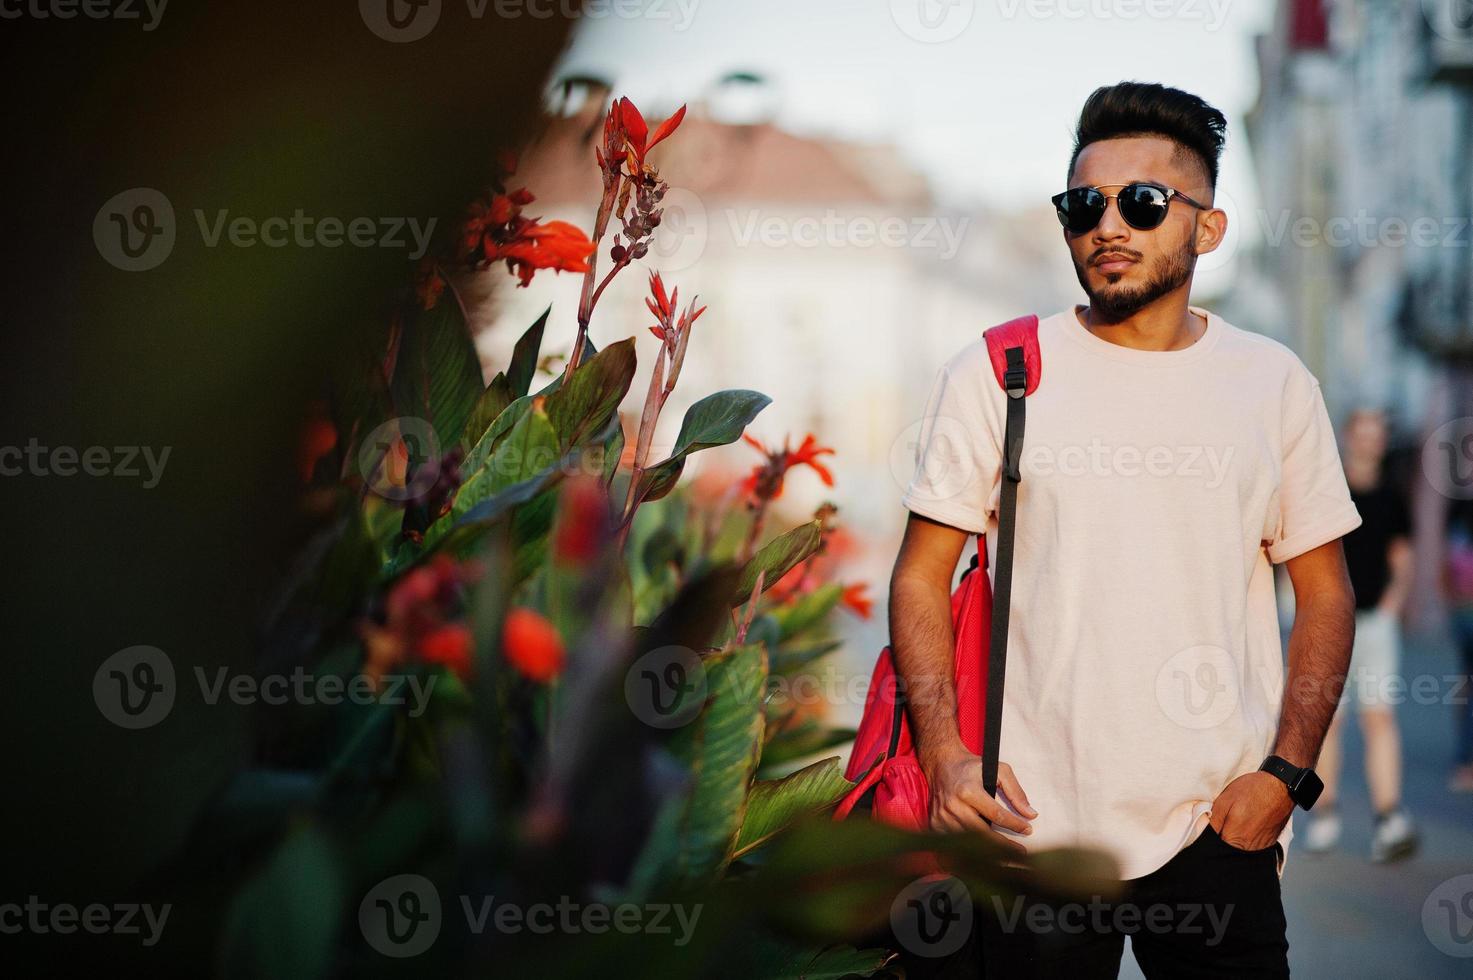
(1129,158)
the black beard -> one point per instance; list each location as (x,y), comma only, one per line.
(1116,305)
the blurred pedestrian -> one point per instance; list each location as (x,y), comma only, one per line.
(1458,590)
(1379,557)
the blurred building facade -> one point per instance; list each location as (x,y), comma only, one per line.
(1363,144)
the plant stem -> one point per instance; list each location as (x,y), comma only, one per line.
(654,400)
(590,295)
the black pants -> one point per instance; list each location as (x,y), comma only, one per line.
(1213,910)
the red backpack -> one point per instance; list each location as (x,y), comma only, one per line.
(883,761)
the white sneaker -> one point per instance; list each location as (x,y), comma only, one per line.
(1395,837)
(1323,833)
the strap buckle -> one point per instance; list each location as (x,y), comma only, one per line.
(1015,378)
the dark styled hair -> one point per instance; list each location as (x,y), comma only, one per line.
(1149,109)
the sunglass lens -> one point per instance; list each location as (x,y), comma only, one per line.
(1080,209)
(1143,206)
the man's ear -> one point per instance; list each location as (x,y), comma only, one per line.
(1211,230)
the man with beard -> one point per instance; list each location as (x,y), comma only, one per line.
(1170,460)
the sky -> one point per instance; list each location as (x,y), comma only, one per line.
(980,95)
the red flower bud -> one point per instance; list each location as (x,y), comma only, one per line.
(532,645)
(449,646)
(582,520)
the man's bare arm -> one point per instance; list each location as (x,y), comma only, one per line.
(921,635)
(1319,651)
(922,642)
(1251,811)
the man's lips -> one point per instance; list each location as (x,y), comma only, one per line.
(1114,263)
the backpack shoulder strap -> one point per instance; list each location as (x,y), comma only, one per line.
(1022,332)
(1018,364)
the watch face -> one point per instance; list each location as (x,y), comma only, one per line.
(1308,789)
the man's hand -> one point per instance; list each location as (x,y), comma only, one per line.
(1251,811)
(958,801)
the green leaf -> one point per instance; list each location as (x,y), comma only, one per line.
(809,737)
(777,557)
(808,609)
(773,804)
(613,449)
(524,357)
(584,405)
(529,449)
(773,959)
(720,749)
(284,921)
(508,419)
(493,401)
(437,376)
(716,420)
(785,660)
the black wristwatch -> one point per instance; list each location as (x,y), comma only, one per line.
(1304,785)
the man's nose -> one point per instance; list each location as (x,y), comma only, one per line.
(1112,226)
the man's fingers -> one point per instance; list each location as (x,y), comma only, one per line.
(942,821)
(1008,783)
(1008,842)
(990,808)
(965,815)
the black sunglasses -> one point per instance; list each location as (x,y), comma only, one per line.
(1142,205)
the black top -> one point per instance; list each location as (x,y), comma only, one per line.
(1384,515)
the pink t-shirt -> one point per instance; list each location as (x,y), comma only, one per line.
(1145,666)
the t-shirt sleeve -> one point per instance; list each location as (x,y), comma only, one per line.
(1314,498)
(957,454)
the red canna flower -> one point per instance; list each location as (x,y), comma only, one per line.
(855,599)
(766,480)
(495,230)
(556,245)
(448,646)
(627,135)
(532,645)
(663,307)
